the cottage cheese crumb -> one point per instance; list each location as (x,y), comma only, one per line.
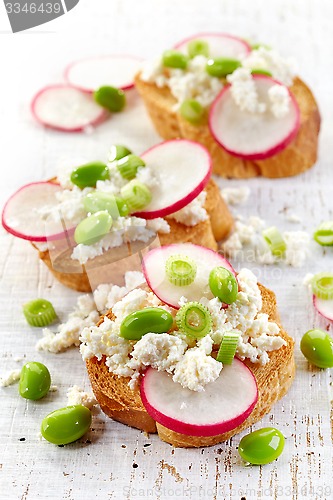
(280,100)
(77,396)
(282,69)
(196,369)
(193,213)
(244,91)
(10,378)
(247,242)
(235,196)
(68,333)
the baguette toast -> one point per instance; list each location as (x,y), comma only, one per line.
(206,233)
(121,403)
(299,156)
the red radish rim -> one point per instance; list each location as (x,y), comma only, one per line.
(178,205)
(37,239)
(194,429)
(145,273)
(103,114)
(224,35)
(314,299)
(90,91)
(271,151)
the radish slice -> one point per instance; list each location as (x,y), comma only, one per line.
(183,168)
(153,266)
(21,216)
(220,45)
(253,136)
(90,74)
(223,405)
(324,307)
(67,109)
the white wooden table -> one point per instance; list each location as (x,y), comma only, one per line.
(114,461)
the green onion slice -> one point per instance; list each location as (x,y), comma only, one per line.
(259,71)
(324,234)
(275,240)
(180,270)
(136,195)
(39,312)
(128,166)
(118,151)
(228,348)
(194,320)
(322,285)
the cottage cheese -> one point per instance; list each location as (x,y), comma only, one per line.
(189,363)
(235,196)
(77,396)
(246,243)
(280,100)
(193,213)
(282,69)
(10,378)
(68,333)
(244,91)
(192,83)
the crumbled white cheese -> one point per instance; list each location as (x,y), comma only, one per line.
(158,225)
(192,83)
(297,247)
(162,351)
(282,69)
(68,333)
(134,279)
(148,177)
(308,279)
(196,369)
(244,91)
(106,296)
(235,196)
(247,243)
(193,213)
(77,396)
(53,388)
(294,218)
(280,100)
(124,229)
(133,301)
(10,378)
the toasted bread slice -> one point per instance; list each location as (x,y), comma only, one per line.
(206,233)
(299,156)
(121,403)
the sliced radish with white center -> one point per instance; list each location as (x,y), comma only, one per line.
(94,72)
(324,307)
(67,109)
(253,136)
(222,406)
(183,169)
(154,270)
(22,215)
(220,45)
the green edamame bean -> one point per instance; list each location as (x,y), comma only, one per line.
(66,425)
(110,98)
(35,381)
(261,446)
(149,320)
(174,59)
(198,48)
(222,66)
(128,166)
(223,284)
(99,201)
(87,175)
(93,228)
(317,347)
(259,71)
(192,111)
(117,151)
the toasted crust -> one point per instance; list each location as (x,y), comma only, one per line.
(206,233)
(299,156)
(119,402)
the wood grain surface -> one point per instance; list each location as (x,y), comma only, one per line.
(114,461)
